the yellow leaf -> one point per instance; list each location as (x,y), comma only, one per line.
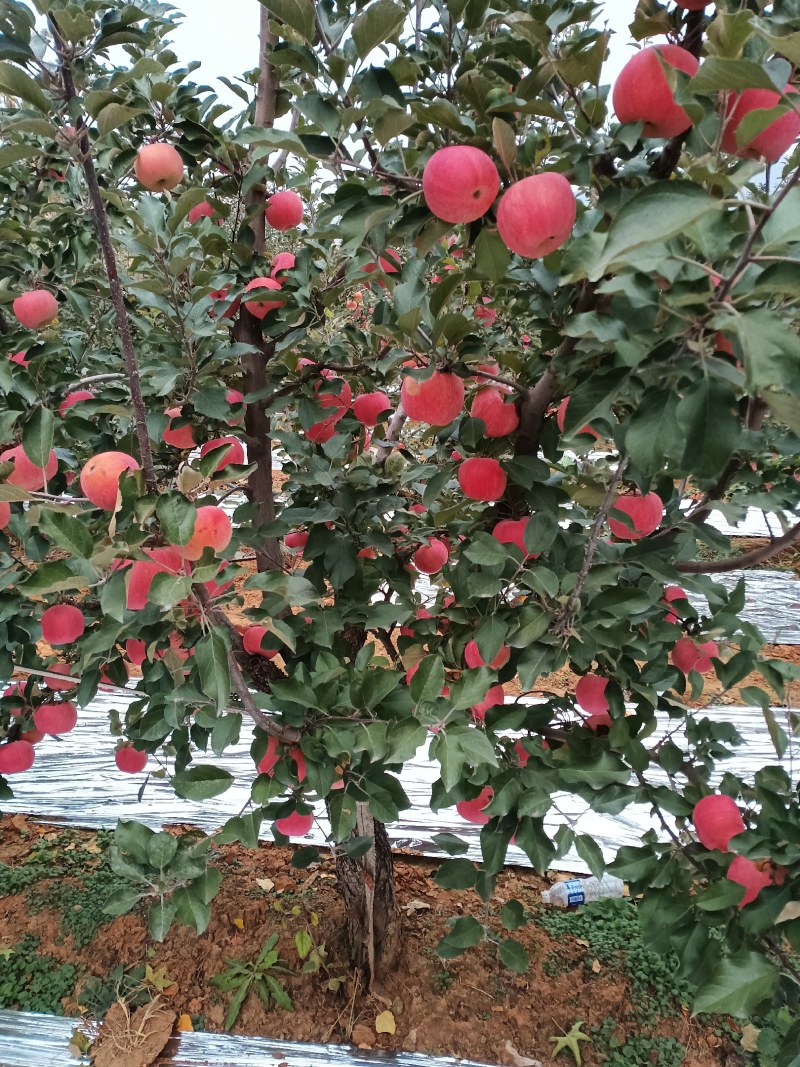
(266,884)
(790,911)
(385,1024)
(238,922)
(185,1023)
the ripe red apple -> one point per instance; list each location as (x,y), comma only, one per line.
(212,529)
(35,309)
(234,455)
(74,398)
(56,718)
(100,477)
(62,624)
(437,400)
(163,560)
(430,558)
(339,400)
(495,698)
(63,683)
(460,183)
(535,216)
(26,474)
(130,760)
(512,532)
(270,757)
(260,307)
(644,513)
(473,657)
(203,210)
(672,592)
(283,261)
(642,94)
(322,431)
(295,825)
(590,693)
(774,140)
(158,166)
(716,820)
(136,651)
(16,757)
(297,541)
(5,514)
(486,316)
(389,263)
(472,810)
(692,5)
(746,873)
(368,407)
(181,437)
(482,478)
(284,210)
(687,655)
(490,406)
(253,642)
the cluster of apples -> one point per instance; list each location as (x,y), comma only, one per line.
(717,820)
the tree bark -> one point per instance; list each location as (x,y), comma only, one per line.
(372,915)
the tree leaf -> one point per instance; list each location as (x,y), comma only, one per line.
(202,783)
(211,657)
(712,430)
(15,82)
(380,22)
(741,983)
(37,437)
(298,14)
(66,532)
(492,255)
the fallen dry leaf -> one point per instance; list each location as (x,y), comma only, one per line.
(518,1060)
(385,1024)
(749,1038)
(596,968)
(238,922)
(789,911)
(266,884)
(185,1024)
(414,906)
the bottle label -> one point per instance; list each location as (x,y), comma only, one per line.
(575,894)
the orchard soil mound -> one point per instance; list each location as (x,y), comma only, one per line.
(470,1007)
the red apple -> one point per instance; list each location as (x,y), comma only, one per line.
(460,183)
(270,757)
(203,210)
(16,757)
(74,398)
(158,166)
(716,820)
(535,216)
(512,532)
(774,140)
(482,478)
(368,407)
(687,655)
(437,400)
(673,592)
(35,309)
(746,873)
(296,541)
(253,642)
(490,406)
(55,718)
(692,5)
(644,512)
(260,307)
(136,650)
(5,514)
(100,477)
(284,210)
(283,261)
(212,529)
(295,825)
(430,558)
(25,474)
(473,657)
(183,436)
(642,94)
(590,693)
(235,453)
(130,760)
(561,416)
(163,560)
(472,810)
(62,624)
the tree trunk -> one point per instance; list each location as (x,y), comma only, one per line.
(372,917)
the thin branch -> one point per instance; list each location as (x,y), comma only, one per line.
(746,559)
(110,261)
(392,436)
(94,378)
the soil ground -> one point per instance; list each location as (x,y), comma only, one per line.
(595,972)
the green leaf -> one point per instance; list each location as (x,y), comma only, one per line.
(492,255)
(656,213)
(202,783)
(37,437)
(650,437)
(380,22)
(710,425)
(211,658)
(15,82)
(66,532)
(450,844)
(13,153)
(159,918)
(513,915)
(298,14)
(465,932)
(161,849)
(167,590)
(591,854)
(177,516)
(53,577)
(428,679)
(514,956)
(303,943)
(716,74)
(741,983)
(112,116)
(191,910)
(122,901)
(456,874)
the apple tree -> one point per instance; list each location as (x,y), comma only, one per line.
(512,335)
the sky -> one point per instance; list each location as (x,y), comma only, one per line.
(223,35)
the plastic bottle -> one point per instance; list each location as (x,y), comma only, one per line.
(581,890)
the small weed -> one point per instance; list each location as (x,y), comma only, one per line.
(30,982)
(241,976)
(98,994)
(442,980)
(555,964)
(639,1050)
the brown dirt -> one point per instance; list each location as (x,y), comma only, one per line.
(469,1007)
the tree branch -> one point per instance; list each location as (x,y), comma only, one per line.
(746,559)
(110,262)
